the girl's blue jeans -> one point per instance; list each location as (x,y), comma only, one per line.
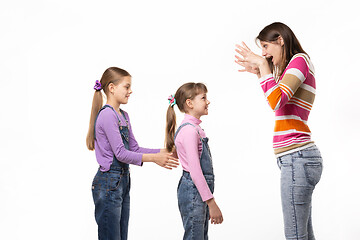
(111,194)
(300,172)
(194,212)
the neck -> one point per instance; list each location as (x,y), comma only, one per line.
(194,115)
(114,104)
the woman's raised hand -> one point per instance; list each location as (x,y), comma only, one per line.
(247,59)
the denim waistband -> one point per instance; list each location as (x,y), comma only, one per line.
(122,167)
(307,146)
(187,175)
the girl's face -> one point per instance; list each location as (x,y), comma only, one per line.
(199,105)
(273,50)
(123,90)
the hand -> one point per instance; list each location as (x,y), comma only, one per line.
(247,59)
(214,212)
(166,160)
(174,153)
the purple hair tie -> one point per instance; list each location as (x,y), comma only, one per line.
(97,86)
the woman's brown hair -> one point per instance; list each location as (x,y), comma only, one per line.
(111,75)
(186,91)
(271,33)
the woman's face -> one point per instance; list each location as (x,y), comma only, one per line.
(272,50)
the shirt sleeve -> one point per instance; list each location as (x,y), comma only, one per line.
(111,129)
(190,145)
(133,144)
(279,93)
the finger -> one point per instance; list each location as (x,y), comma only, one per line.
(167,167)
(240,58)
(173,162)
(171,165)
(240,51)
(245,46)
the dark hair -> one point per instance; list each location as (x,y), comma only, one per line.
(271,33)
(111,75)
(186,91)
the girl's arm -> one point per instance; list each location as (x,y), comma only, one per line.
(216,216)
(109,124)
(111,130)
(190,148)
(189,140)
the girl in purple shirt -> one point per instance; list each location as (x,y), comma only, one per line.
(196,202)
(110,135)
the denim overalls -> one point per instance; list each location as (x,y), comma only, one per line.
(111,194)
(194,212)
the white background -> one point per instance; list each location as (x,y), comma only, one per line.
(51,53)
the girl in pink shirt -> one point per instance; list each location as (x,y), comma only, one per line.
(196,202)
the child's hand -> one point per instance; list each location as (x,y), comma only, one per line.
(214,212)
(166,160)
(174,153)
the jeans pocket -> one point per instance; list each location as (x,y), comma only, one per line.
(313,172)
(115,181)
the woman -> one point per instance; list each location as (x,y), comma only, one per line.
(286,76)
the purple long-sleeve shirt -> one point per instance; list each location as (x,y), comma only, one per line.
(108,141)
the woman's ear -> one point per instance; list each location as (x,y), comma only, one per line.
(281,40)
(189,103)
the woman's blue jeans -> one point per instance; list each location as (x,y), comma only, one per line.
(300,172)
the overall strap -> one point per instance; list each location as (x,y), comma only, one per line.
(183,125)
(107,106)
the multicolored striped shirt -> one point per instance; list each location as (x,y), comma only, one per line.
(291,97)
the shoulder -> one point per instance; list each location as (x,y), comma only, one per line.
(301,61)
(126,115)
(189,132)
(106,116)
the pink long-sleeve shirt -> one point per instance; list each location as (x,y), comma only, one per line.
(189,147)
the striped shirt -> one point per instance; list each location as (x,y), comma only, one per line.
(291,97)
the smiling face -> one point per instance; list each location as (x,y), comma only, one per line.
(198,105)
(123,90)
(273,50)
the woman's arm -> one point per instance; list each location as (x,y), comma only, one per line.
(277,93)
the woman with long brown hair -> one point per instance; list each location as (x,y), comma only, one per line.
(286,75)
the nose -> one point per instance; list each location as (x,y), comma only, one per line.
(263,53)
(130,91)
(208,102)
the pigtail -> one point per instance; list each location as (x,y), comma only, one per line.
(111,75)
(170,128)
(96,106)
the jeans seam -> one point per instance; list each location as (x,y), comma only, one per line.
(293,199)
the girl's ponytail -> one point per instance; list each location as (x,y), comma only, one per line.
(170,128)
(111,75)
(186,91)
(96,106)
